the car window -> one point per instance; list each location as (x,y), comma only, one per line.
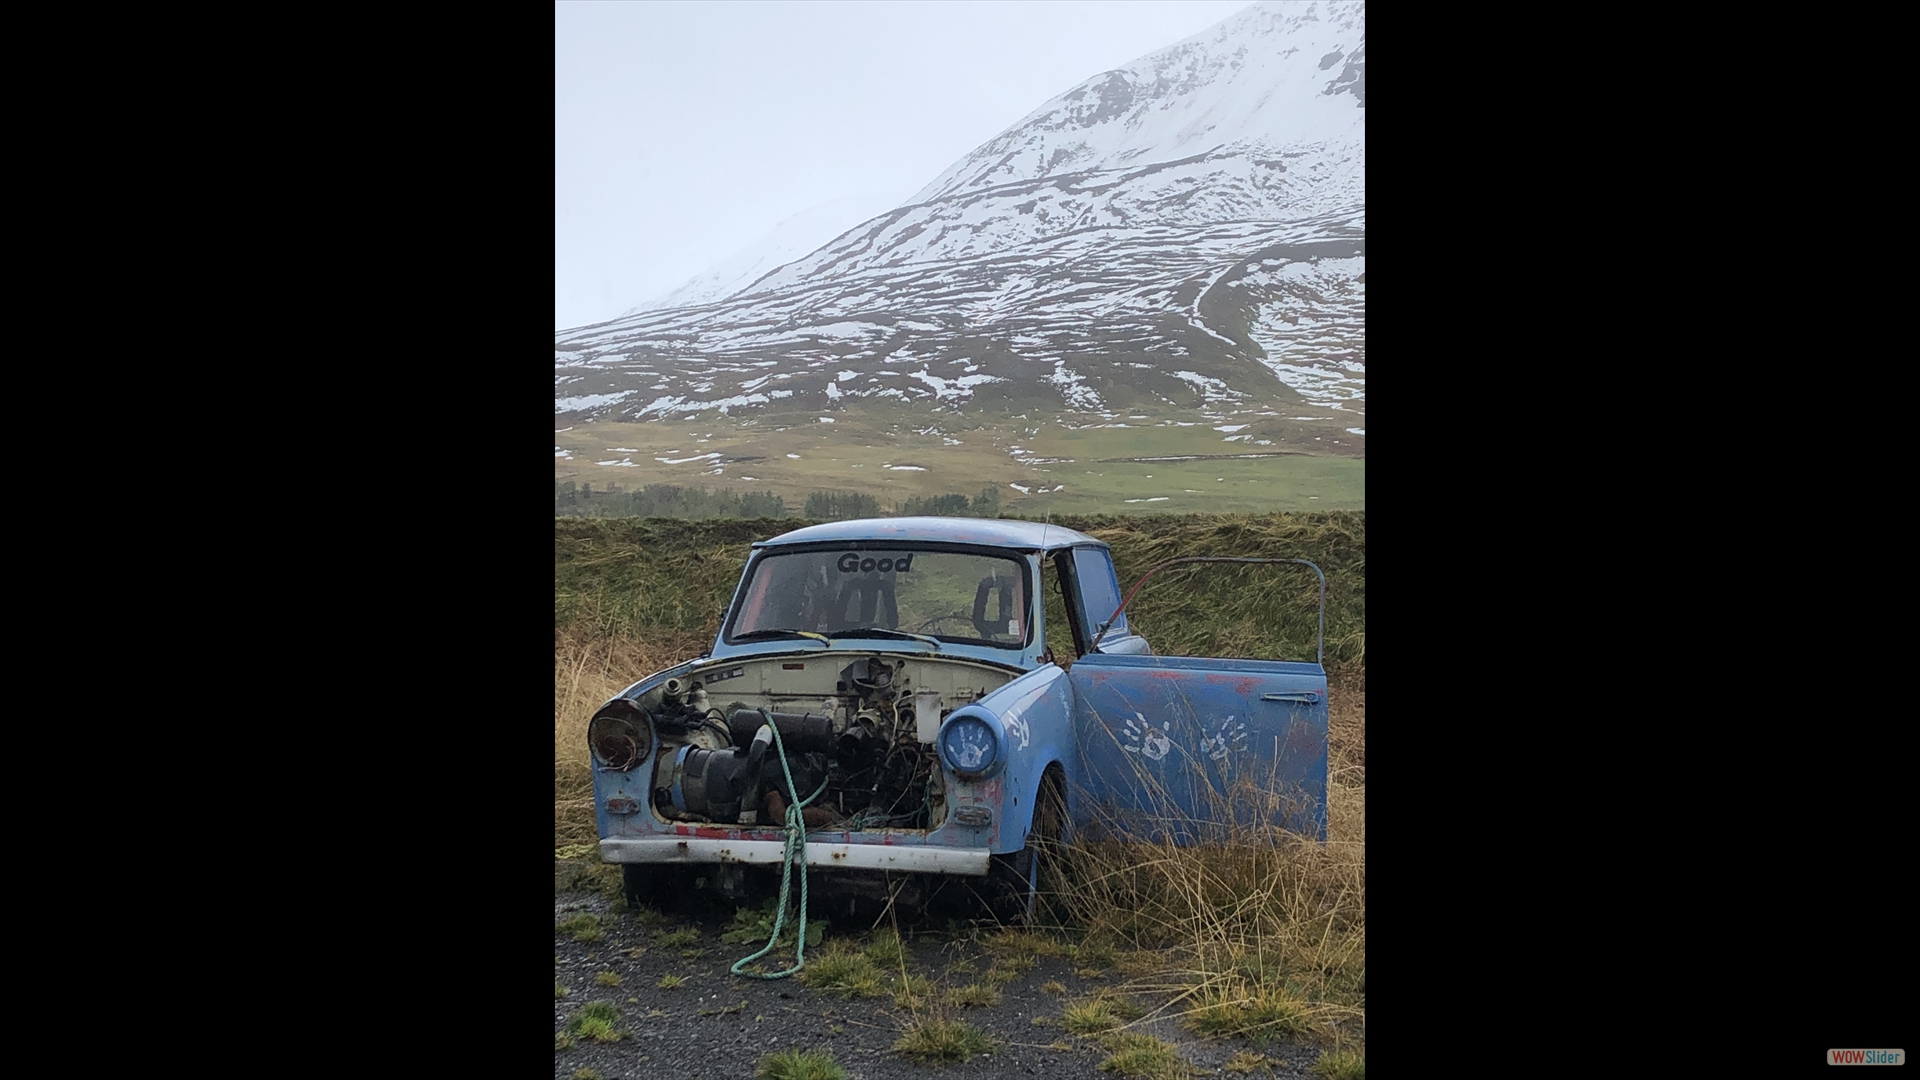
(1053,600)
(1099,591)
(945,594)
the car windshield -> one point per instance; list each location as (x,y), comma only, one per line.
(953,596)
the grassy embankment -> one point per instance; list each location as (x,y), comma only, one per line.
(1267,938)
(1082,463)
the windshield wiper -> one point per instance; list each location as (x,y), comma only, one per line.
(881,631)
(752,634)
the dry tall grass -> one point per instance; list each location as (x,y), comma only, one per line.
(1261,937)
(587,670)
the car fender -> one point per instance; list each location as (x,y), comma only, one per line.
(1035,711)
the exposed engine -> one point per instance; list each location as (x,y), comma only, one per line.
(864,757)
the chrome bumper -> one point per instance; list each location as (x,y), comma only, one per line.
(690,849)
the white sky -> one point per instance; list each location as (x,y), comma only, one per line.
(686,131)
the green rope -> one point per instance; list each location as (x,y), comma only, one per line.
(796,853)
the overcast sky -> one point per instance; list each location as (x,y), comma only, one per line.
(684,132)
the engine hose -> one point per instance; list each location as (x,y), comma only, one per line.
(796,851)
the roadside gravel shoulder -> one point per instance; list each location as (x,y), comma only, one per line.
(716,1025)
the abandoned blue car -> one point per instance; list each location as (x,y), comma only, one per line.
(884,690)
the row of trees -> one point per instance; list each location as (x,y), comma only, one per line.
(664,500)
(841,505)
(838,505)
(986,504)
(676,501)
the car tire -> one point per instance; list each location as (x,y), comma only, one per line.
(1009,887)
(655,885)
(1022,882)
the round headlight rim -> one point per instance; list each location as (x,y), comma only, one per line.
(995,732)
(638,737)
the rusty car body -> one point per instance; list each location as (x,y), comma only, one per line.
(891,679)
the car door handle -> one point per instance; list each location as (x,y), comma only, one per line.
(1298,699)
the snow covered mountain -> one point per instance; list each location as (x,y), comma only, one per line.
(1186,231)
(1257,82)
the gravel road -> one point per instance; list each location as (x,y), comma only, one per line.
(669,1036)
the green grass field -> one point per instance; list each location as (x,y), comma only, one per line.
(1066,465)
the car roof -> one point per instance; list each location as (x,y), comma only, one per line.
(991,532)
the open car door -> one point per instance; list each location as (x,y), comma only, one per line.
(1192,750)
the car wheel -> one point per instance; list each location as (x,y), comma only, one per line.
(655,885)
(1023,882)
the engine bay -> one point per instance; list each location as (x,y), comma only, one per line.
(857,730)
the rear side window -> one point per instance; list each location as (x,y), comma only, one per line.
(1099,591)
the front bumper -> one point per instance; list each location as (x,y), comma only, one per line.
(912,859)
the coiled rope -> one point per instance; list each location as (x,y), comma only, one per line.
(796,854)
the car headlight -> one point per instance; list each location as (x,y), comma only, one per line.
(969,745)
(619,742)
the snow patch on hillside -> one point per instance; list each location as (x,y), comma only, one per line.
(587,401)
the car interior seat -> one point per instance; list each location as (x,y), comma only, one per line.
(862,601)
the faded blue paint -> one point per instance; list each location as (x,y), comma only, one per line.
(985,532)
(1034,713)
(636,783)
(1185,747)
(1174,747)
